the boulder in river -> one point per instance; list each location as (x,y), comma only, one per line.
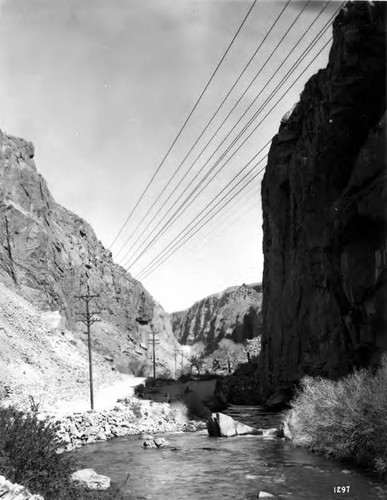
(148,444)
(152,442)
(221,425)
(162,443)
(90,480)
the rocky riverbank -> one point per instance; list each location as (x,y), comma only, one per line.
(130,416)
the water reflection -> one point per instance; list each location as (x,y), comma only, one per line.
(228,468)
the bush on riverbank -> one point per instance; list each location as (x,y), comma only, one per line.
(29,456)
(345,419)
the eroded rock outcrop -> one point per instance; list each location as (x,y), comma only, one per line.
(324,199)
(48,255)
(234,314)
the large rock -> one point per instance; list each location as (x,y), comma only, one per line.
(324,197)
(234,314)
(221,425)
(89,479)
(48,255)
(12,491)
(149,444)
(156,443)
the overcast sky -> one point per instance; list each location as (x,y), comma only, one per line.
(101,87)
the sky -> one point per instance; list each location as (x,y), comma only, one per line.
(102,88)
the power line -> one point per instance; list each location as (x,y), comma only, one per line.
(153,266)
(224,188)
(171,219)
(231,214)
(178,212)
(211,139)
(181,236)
(185,123)
(166,257)
(198,139)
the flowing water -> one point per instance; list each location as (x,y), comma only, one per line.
(204,468)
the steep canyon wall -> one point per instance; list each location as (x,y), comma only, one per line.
(48,255)
(234,314)
(324,199)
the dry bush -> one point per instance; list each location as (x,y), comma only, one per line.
(345,419)
(29,456)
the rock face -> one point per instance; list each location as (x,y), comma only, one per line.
(234,314)
(49,255)
(324,205)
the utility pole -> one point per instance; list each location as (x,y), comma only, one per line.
(88,318)
(182,359)
(175,357)
(154,342)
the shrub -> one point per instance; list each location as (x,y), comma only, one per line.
(139,390)
(345,419)
(136,408)
(179,412)
(185,377)
(30,456)
(140,367)
(252,347)
(165,374)
(195,406)
(29,453)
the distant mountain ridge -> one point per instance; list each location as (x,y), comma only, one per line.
(48,255)
(234,313)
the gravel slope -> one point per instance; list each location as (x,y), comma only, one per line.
(40,359)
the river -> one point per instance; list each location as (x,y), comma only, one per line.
(204,468)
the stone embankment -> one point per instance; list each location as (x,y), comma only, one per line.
(129,417)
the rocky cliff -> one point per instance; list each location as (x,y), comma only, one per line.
(234,314)
(324,206)
(49,255)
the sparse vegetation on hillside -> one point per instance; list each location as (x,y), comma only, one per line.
(29,456)
(228,356)
(345,419)
(253,347)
